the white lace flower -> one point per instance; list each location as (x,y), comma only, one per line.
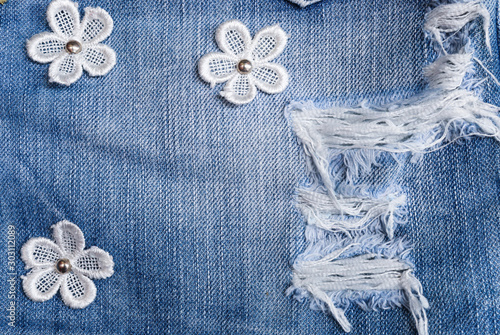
(245,63)
(73,45)
(65,265)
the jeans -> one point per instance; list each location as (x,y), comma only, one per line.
(194,197)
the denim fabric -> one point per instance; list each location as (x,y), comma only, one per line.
(193,197)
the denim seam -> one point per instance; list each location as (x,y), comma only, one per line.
(304,3)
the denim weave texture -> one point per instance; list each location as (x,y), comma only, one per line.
(193,196)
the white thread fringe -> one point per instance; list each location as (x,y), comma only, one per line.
(41,256)
(234,39)
(360,273)
(452,17)
(320,210)
(448,71)
(443,113)
(415,125)
(64,19)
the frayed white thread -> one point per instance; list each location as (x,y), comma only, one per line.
(360,273)
(41,256)
(419,125)
(448,71)
(64,19)
(415,125)
(357,162)
(450,18)
(323,246)
(234,39)
(319,210)
(323,243)
(416,302)
(487,71)
(304,3)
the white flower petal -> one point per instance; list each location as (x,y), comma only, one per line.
(270,78)
(240,89)
(217,67)
(65,69)
(41,284)
(68,237)
(96,25)
(94,263)
(235,41)
(98,59)
(77,291)
(63,17)
(233,38)
(268,43)
(40,252)
(45,47)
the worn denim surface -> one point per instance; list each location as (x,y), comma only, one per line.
(193,196)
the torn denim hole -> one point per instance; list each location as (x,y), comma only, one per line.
(346,222)
(419,125)
(450,18)
(416,125)
(364,272)
(319,210)
(448,72)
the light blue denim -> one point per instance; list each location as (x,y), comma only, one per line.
(193,196)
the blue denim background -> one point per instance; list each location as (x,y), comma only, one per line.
(193,196)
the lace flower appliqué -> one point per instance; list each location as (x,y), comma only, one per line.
(245,63)
(73,45)
(64,265)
